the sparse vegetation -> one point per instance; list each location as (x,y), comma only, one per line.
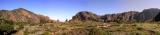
(86,28)
(95,28)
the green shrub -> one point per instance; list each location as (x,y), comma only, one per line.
(157,33)
(95,31)
(26,33)
(6,27)
(46,33)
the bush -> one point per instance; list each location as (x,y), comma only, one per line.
(25,33)
(95,31)
(6,28)
(46,33)
(157,33)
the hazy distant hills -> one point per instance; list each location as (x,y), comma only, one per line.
(146,15)
(22,15)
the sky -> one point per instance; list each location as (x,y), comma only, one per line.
(65,9)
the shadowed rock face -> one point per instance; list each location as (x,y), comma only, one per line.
(157,18)
(22,15)
(120,17)
(85,16)
(147,14)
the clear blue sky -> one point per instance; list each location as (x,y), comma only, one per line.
(65,9)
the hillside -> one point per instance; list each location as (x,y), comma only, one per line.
(22,15)
(10,19)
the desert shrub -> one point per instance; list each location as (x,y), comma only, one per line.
(95,31)
(26,33)
(46,33)
(6,28)
(137,33)
(157,33)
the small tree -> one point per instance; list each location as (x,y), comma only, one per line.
(66,20)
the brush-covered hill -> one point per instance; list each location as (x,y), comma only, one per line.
(12,21)
(22,15)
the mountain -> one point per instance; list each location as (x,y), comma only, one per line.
(22,15)
(12,21)
(147,14)
(85,16)
(89,16)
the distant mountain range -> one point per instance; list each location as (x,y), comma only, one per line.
(23,15)
(147,15)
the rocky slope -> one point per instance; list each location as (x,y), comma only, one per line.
(12,21)
(22,15)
